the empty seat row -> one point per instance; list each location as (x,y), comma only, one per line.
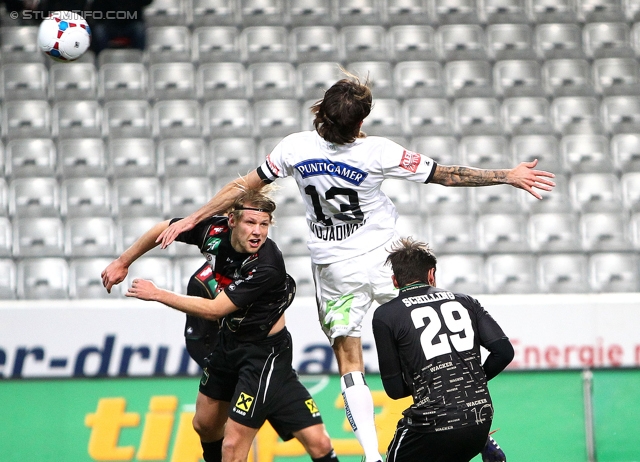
(606,272)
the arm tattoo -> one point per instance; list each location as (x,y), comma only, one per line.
(456,175)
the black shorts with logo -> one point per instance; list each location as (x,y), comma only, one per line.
(259,382)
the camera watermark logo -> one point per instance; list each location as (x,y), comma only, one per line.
(74,15)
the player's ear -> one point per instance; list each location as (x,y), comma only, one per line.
(395,281)
(431,277)
(232,220)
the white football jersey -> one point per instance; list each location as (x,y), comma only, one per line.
(346,210)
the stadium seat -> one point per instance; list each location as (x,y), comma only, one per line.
(86,197)
(510,41)
(558,41)
(607,40)
(137,197)
(19,44)
(385,118)
(412,224)
(502,232)
(7,279)
(24,81)
(517,78)
(221,81)
(477,116)
(545,148)
(461,42)
(158,270)
(442,149)
(468,78)
(132,157)
(511,274)
(172,81)
(455,12)
(439,200)
(4,197)
(215,12)
(26,119)
(563,273)
(427,117)
(177,118)
(586,153)
(412,43)
(462,273)
(595,192)
(299,267)
(314,43)
(502,11)
(576,115)
(418,79)
(271,81)
(625,149)
(73,81)
(616,76)
(484,151)
(632,10)
(363,43)
(182,157)
(614,272)
(227,117)
(6,237)
(216,44)
(408,12)
(82,157)
(276,117)
(43,278)
(288,198)
(379,73)
(186,195)
(359,12)
(452,233)
(38,237)
(604,232)
(263,12)
(554,232)
(631,191)
(90,237)
(168,44)
(312,13)
(167,13)
(559,200)
(85,281)
(634,225)
(621,114)
(265,44)
(291,234)
(121,55)
(127,118)
(526,115)
(567,77)
(600,10)
(496,199)
(552,11)
(77,119)
(123,81)
(231,156)
(405,195)
(30,157)
(315,78)
(34,197)
(129,229)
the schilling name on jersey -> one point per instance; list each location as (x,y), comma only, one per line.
(314,167)
(422,299)
(335,232)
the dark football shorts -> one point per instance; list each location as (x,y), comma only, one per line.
(259,382)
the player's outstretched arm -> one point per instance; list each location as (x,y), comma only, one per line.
(118,268)
(194,306)
(524,176)
(220,203)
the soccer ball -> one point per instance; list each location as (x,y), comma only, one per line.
(64,36)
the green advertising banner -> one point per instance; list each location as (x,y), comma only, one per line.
(540,416)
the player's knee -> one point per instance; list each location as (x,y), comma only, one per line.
(231,450)
(205,428)
(320,448)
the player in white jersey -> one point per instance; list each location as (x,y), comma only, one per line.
(339,171)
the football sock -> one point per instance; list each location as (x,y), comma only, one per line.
(329,457)
(212,452)
(358,405)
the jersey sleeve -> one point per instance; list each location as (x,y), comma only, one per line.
(194,236)
(274,165)
(401,163)
(247,289)
(389,360)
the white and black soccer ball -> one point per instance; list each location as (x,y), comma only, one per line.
(64,35)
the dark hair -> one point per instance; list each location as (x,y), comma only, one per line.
(344,106)
(253,199)
(411,260)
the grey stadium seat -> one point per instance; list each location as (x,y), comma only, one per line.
(90,237)
(216,44)
(356,12)
(86,197)
(82,157)
(442,149)
(625,149)
(385,118)
(81,119)
(453,233)
(380,76)
(600,10)
(557,201)
(595,192)
(85,281)
(604,232)
(265,44)
(468,78)
(132,157)
(314,43)
(363,43)
(526,115)
(412,43)
(621,114)
(567,77)
(438,199)
(276,117)
(137,197)
(554,232)
(552,11)
(496,199)
(7,279)
(228,117)
(291,234)
(502,233)
(6,237)
(72,81)
(24,81)
(462,273)
(616,76)
(221,81)
(166,12)
(484,151)
(586,153)
(510,41)
(30,157)
(576,114)
(43,278)
(315,78)
(461,41)
(455,11)
(517,77)
(34,197)
(271,81)
(19,44)
(26,119)
(168,44)
(231,156)
(123,81)
(631,191)
(312,12)
(212,12)
(502,11)
(129,229)
(177,118)
(182,157)
(511,274)
(418,79)
(563,273)
(263,12)
(127,118)
(38,237)
(408,12)
(172,81)
(607,40)
(545,148)
(614,272)
(559,41)
(477,116)
(427,117)
(299,267)
(186,195)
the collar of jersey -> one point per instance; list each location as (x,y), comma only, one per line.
(415,285)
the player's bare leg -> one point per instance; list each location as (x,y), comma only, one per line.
(209,422)
(237,442)
(358,402)
(316,442)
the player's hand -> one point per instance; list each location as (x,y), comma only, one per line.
(525,177)
(114,274)
(170,234)
(492,452)
(143,290)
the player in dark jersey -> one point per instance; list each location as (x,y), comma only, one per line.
(428,343)
(248,377)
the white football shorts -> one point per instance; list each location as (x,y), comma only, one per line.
(346,289)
